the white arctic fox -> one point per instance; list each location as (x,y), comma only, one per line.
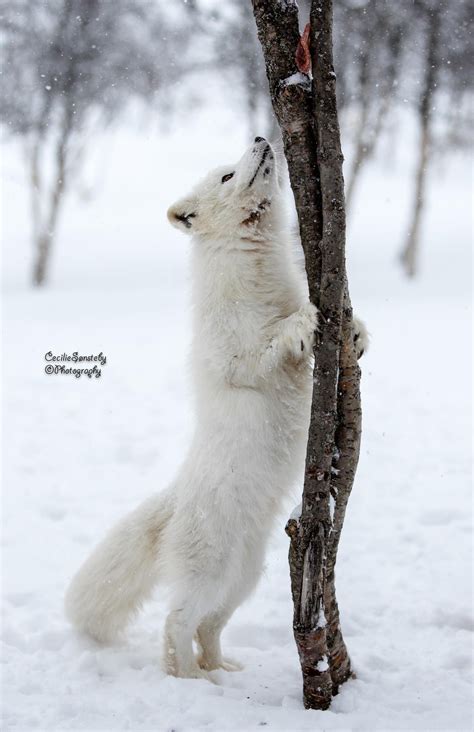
(205,536)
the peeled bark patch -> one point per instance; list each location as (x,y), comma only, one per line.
(303,54)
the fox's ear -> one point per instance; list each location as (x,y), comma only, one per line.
(182,214)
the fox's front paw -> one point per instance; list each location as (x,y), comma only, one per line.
(300,331)
(361,336)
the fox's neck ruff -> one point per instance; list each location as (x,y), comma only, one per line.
(255,270)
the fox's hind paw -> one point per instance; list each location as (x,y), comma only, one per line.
(228,664)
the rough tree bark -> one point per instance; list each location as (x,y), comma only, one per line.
(307,114)
(410,252)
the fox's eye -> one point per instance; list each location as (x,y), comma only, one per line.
(227,177)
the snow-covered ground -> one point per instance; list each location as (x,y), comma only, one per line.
(78,453)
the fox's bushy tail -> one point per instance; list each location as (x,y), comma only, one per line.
(121,572)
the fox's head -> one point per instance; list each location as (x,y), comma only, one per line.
(232,201)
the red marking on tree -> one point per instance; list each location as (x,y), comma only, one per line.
(303,55)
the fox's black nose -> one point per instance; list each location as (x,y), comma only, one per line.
(259,139)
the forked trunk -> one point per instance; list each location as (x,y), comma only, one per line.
(307,113)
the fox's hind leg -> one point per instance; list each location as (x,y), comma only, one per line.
(209,631)
(200,611)
(179,659)
(208,638)
(195,602)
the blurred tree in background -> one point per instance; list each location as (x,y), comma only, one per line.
(389,56)
(72,66)
(69,67)
(444,64)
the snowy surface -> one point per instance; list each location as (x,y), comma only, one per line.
(297,78)
(79,453)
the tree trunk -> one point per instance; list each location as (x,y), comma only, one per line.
(410,253)
(44,234)
(35,187)
(346,458)
(366,139)
(360,138)
(365,146)
(44,240)
(307,114)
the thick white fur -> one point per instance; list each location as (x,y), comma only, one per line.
(205,537)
